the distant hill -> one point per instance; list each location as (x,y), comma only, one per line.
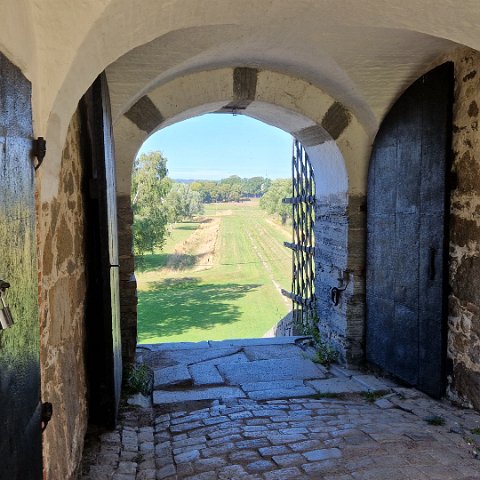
(187,180)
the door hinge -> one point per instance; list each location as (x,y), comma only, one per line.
(46,415)
(39,149)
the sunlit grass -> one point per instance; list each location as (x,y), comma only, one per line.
(226,294)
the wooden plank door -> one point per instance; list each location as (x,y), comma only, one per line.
(20,436)
(407,241)
(104,359)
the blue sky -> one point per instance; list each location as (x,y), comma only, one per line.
(215,146)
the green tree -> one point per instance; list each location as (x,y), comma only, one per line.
(272,200)
(183,202)
(150,186)
(255,186)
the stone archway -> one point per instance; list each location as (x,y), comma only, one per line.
(336,144)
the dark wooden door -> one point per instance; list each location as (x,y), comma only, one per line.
(406,224)
(20,436)
(104,356)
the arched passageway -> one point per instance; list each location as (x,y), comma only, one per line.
(311,55)
(325,129)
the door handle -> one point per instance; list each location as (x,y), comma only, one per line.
(431,263)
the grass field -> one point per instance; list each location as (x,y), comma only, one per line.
(216,278)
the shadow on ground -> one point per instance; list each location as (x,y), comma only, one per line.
(180,261)
(173,306)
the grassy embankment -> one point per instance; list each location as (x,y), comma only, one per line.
(216,278)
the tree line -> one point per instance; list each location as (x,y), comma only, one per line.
(231,189)
(158,201)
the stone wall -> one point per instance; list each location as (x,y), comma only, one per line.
(464,261)
(355,334)
(128,283)
(62,289)
(339,260)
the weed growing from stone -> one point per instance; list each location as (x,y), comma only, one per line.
(436,420)
(475,431)
(372,397)
(138,379)
(326,355)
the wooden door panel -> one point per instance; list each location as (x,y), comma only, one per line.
(20,436)
(406,311)
(104,358)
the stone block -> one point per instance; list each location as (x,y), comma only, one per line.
(265,352)
(337,385)
(226,358)
(373,383)
(322,454)
(271,370)
(291,473)
(167,397)
(205,375)
(276,393)
(250,342)
(170,376)
(279,384)
(260,466)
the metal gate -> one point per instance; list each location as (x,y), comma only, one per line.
(303,245)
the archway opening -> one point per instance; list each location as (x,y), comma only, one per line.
(218,265)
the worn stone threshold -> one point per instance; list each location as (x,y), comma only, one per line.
(256,369)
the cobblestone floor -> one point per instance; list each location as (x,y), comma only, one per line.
(356,437)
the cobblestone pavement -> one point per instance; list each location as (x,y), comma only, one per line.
(402,435)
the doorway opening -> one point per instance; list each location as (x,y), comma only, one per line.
(219,266)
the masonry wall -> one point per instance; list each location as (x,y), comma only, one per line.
(464,261)
(61,224)
(339,259)
(128,283)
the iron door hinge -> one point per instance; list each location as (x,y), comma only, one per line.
(39,149)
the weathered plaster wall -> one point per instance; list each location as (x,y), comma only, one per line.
(62,280)
(464,299)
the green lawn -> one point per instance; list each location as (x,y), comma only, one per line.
(232,294)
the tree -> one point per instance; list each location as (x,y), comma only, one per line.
(272,200)
(150,186)
(183,202)
(255,186)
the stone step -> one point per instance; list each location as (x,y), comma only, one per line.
(272,370)
(162,397)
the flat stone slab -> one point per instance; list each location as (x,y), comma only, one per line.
(271,370)
(171,376)
(373,383)
(337,385)
(279,384)
(250,342)
(226,360)
(166,397)
(279,393)
(205,375)
(340,371)
(265,352)
(158,347)
(190,357)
